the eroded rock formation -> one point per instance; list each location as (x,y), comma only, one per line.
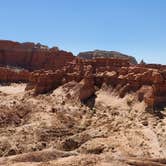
(13,75)
(32,56)
(148,83)
(47,124)
(90,72)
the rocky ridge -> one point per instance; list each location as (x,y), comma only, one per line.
(32,56)
(105,54)
(147,82)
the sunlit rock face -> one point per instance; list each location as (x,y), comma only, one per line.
(32,56)
(148,83)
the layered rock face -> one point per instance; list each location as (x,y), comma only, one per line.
(13,75)
(105,54)
(82,71)
(32,56)
(148,83)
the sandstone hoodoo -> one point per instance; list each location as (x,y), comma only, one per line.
(148,83)
(32,56)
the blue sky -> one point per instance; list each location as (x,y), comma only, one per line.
(134,27)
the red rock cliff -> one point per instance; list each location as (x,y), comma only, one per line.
(32,56)
(13,75)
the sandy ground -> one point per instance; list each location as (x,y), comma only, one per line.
(53,130)
(12,88)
